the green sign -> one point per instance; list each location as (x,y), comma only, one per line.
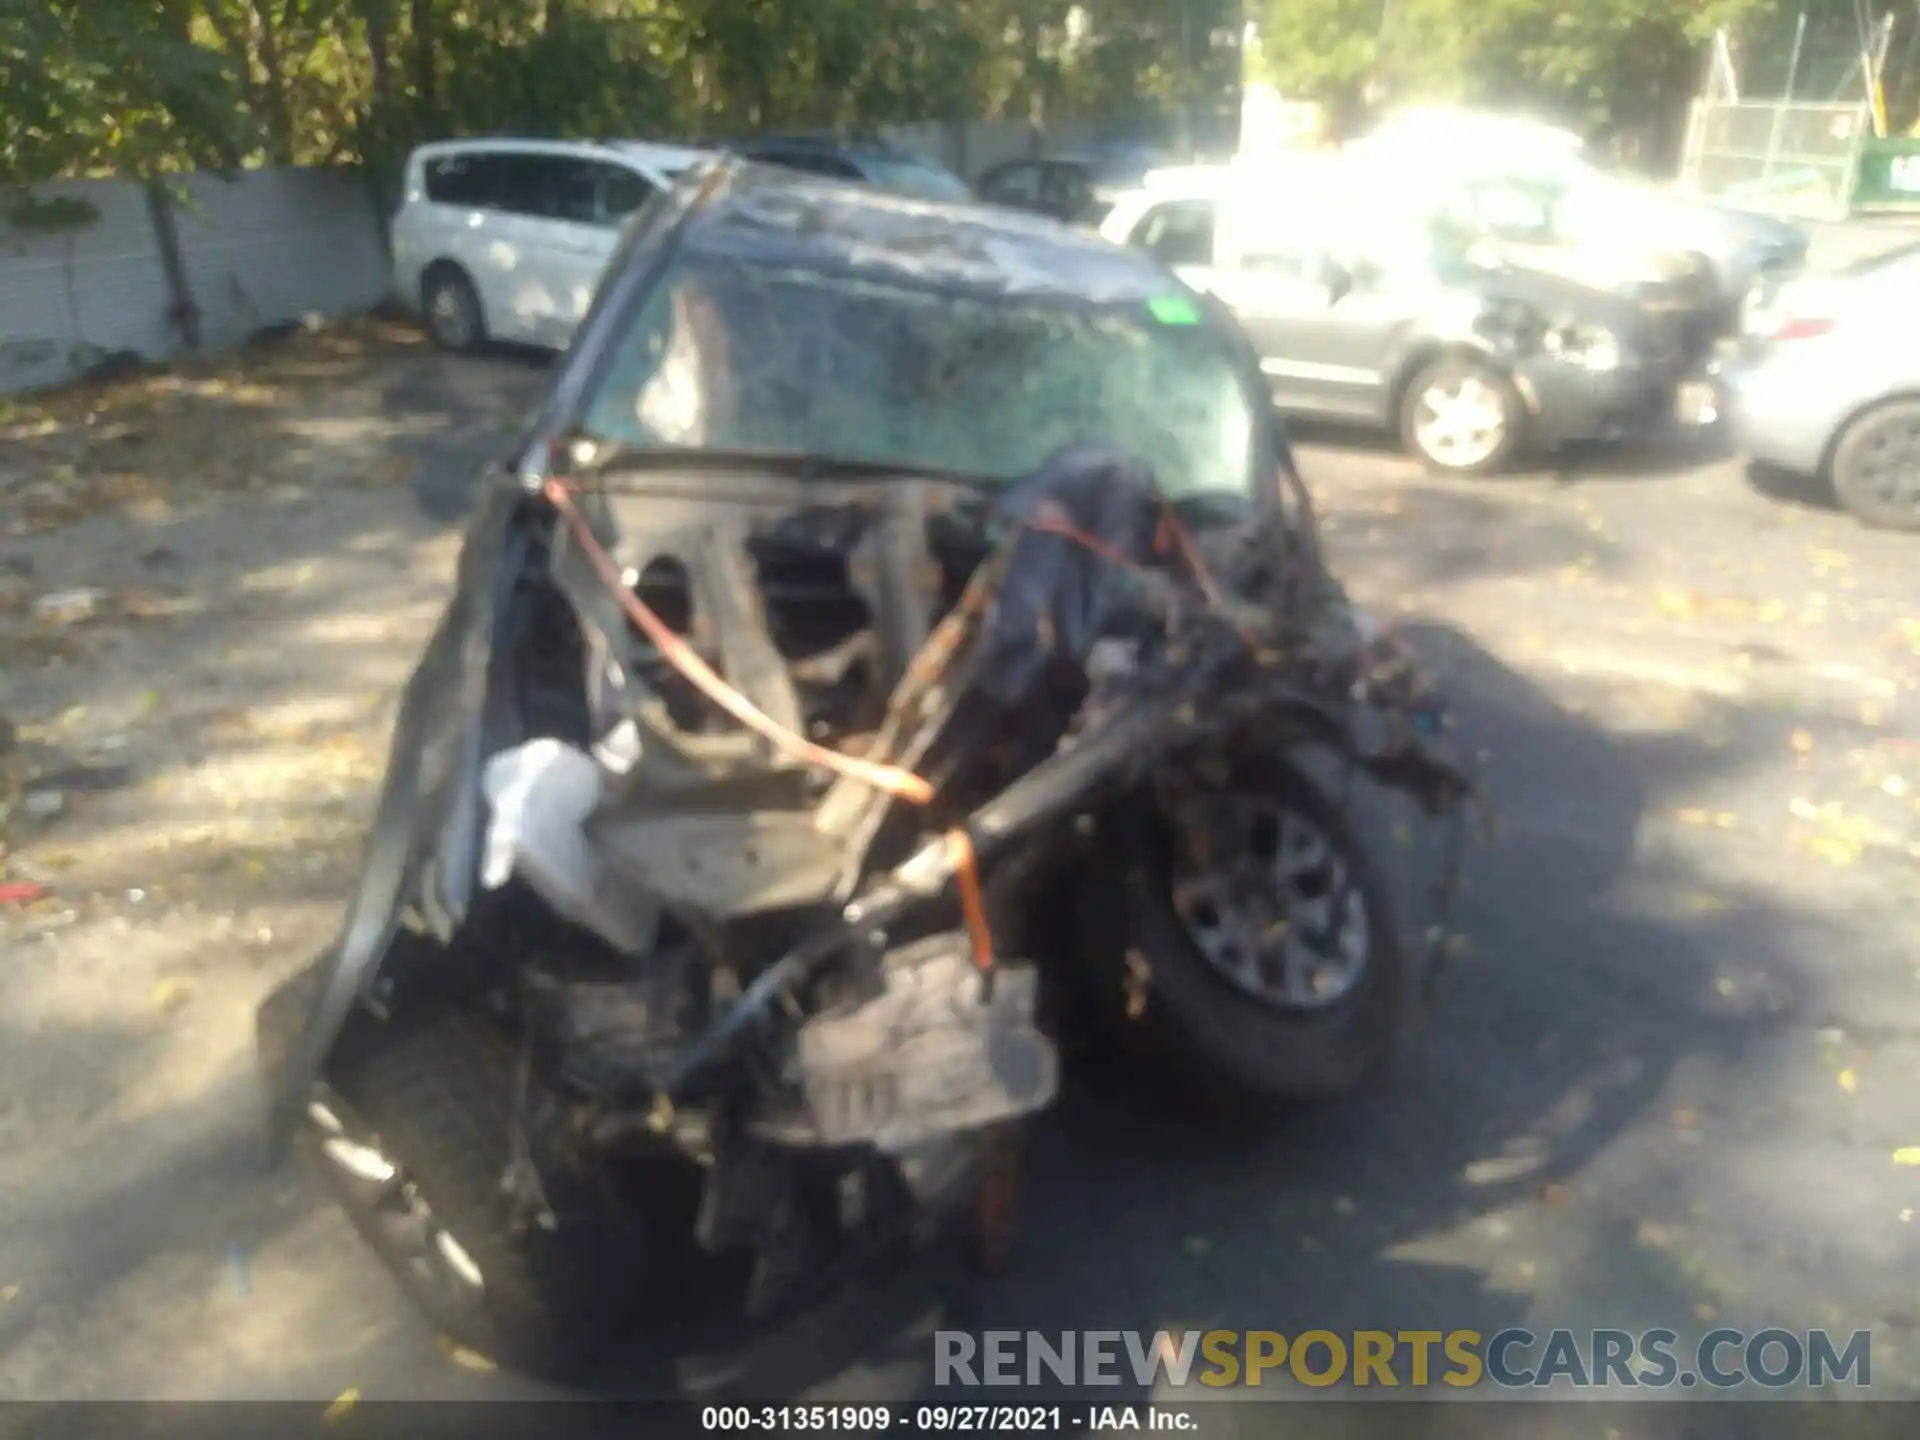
(1174,310)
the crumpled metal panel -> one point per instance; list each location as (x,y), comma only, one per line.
(775,216)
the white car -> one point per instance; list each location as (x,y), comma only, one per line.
(1827,383)
(507,239)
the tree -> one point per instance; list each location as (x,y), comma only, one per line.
(113,86)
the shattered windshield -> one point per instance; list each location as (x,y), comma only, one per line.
(729,354)
(913,177)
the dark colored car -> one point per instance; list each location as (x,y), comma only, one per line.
(1395,326)
(1078,189)
(883,166)
(890,606)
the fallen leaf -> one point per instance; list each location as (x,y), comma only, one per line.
(1701,903)
(341,1407)
(1834,849)
(1677,604)
(1653,1237)
(1554,1194)
(1849,1082)
(1906,1218)
(1693,816)
(1683,1119)
(1723,986)
(463,1357)
(1802,741)
(9,1294)
(1499,1169)
(1895,786)
(169,996)
(1704,1313)
(1770,611)
(1907,1155)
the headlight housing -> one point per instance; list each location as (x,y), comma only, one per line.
(1591,347)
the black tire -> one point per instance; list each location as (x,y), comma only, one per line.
(456,321)
(437,1096)
(1452,371)
(283,1014)
(1876,466)
(1227,1046)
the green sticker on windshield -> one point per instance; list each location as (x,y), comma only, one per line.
(1174,310)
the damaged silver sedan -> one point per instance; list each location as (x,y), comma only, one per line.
(887,656)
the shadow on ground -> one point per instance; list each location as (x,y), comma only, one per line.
(1462,1192)
(1437,1199)
(1784,487)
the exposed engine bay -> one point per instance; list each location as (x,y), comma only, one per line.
(832,733)
(806,800)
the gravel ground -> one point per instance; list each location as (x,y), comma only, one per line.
(1665,1084)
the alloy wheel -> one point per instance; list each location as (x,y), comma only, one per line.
(429,1250)
(1460,421)
(451,316)
(1270,902)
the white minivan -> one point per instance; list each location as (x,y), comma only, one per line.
(507,239)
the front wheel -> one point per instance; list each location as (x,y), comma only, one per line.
(1876,466)
(1461,416)
(416,1139)
(1258,955)
(456,320)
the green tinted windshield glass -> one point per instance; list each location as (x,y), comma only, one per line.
(915,178)
(742,356)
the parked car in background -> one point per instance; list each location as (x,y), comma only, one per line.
(507,239)
(1826,383)
(884,167)
(1534,188)
(1361,317)
(1078,189)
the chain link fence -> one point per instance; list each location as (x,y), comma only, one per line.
(1791,157)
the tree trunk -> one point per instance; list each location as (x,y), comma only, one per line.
(420,12)
(182,310)
(379,54)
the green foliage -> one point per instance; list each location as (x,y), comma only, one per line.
(1600,65)
(111,86)
(140,88)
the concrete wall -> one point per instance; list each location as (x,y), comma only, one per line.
(975,146)
(265,248)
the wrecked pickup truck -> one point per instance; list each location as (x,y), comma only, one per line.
(887,651)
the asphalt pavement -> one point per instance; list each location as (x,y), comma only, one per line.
(1665,1083)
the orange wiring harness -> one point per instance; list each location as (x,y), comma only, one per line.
(889,779)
